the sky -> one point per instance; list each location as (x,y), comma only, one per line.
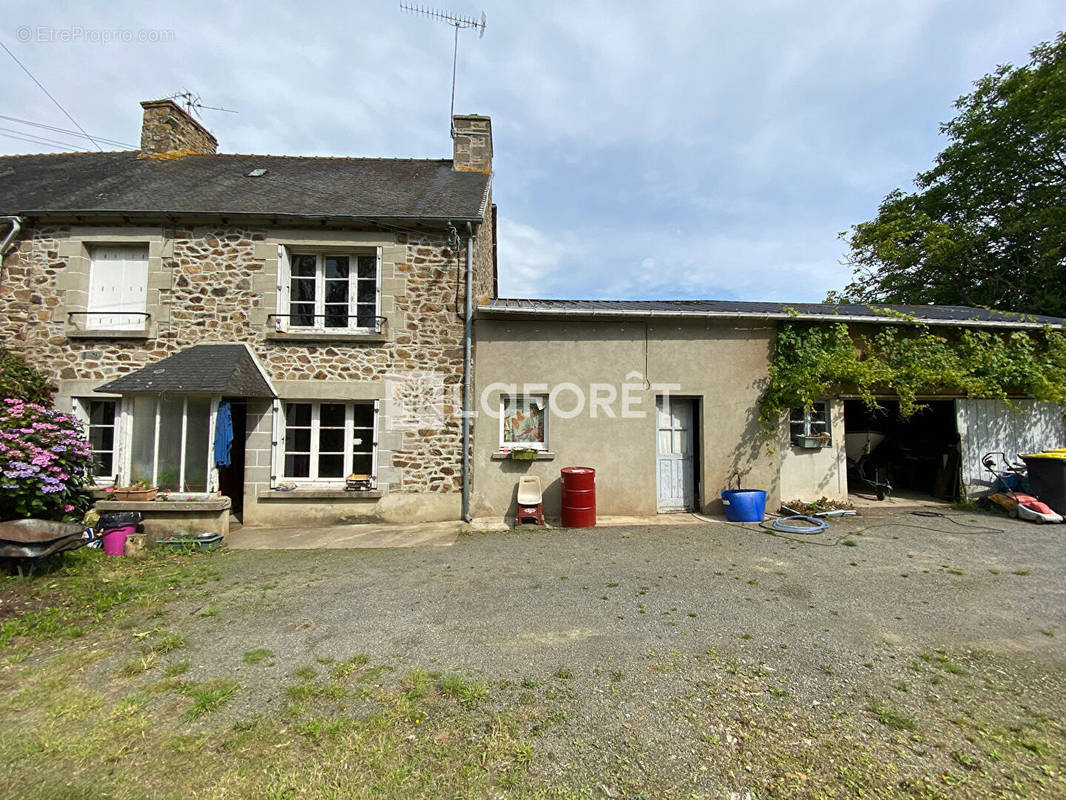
(688,150)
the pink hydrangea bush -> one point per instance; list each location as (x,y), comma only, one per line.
(44,462)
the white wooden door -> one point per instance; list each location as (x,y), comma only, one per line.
(118,283)
(674,457)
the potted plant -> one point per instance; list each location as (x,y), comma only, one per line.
(812,442)
(139,491)
(523,454)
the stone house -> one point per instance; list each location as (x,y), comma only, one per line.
(295,340)
(163,286)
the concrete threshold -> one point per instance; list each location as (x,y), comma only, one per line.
(488,524)
(421,534)
(337,537)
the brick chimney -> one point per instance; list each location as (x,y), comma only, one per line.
(472,143)
(168,128)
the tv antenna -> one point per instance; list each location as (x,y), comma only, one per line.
(193,105)
(457,22)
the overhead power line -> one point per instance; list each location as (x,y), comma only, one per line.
(35,140)
(49,95)
(54,129)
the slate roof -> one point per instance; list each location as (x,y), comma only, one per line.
(227,369)
(851,312)
(130,184)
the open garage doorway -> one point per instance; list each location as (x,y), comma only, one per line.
(888,454)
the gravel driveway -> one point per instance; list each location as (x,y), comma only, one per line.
(666,650)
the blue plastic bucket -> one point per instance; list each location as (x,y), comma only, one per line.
(744,505)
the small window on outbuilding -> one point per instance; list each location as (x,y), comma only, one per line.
(524,422)
(810,423)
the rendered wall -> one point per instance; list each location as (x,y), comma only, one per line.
(723,366)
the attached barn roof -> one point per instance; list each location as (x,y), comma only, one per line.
(843,312)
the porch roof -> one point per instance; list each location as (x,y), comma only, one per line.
(215,369)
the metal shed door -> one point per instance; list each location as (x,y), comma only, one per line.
(674,462)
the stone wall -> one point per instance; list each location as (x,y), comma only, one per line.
(219,284)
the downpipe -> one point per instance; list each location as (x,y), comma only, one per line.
(468,380)
(16,228)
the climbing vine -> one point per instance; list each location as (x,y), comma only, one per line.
(814,361)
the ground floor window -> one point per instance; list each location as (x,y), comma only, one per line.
(328,441)
(524,422)
(812,421)
(170,442)
(101,418)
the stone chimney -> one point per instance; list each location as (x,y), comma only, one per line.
(168,128)
(472,143)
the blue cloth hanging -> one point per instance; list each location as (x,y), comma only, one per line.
(223,435)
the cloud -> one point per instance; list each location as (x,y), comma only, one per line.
(531,257)
(727,142)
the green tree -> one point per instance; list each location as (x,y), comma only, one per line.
(19,379)
(987,224)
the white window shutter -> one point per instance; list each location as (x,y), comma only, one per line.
(118,282)
(281,323)
(105,287)
(374,450)
(377,306)
(134,297)
(277,447)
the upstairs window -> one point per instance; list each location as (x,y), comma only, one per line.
(118,288)
(329,291)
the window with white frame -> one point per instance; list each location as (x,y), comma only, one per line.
(328,291)
(170,442)
(118,288)
(812,421)
(524,422)
(329,441)
(101,418)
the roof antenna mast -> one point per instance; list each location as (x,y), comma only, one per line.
(193,105)
(458,23)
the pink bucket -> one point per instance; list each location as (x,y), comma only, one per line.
(115,539)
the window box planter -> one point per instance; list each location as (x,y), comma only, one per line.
(524,455)
(135,494)
(811,442)
(205,541)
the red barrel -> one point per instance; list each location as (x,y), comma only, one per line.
(579,497)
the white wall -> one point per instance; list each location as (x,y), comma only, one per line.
(1023,426)
(813,474)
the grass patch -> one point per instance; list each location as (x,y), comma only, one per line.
(168,644)
(257,656)
(349,666)
(467,692)
(65,598)
(891,718)
(208,696)
(174,670)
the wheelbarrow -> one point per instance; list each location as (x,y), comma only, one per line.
(26,542)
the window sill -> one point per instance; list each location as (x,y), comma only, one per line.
(311,493)
(174,506)
(325,336)
(103,333)
(542,455)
